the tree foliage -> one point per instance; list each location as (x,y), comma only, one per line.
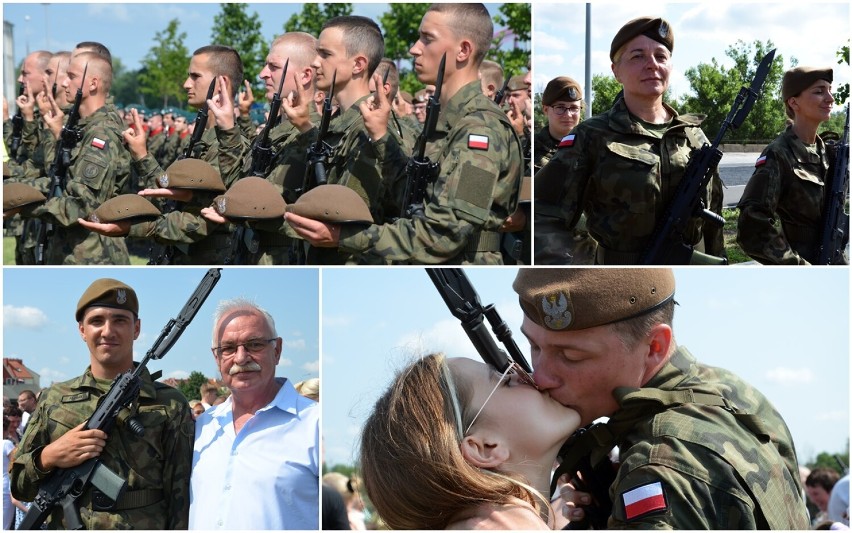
(313,16)
(401,28)
(191,387)
(516,21)
(841,93)
(234,27)
(164,67)
(125,88)
(604,90)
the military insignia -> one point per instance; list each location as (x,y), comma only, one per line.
(94,218)
(221,205)
(644,500)
(90,171)
(163,180)
(572,93)
(760,161)
(100,144)
(555,309)
(566,141)
(477,142)
(663,30)
(120,296)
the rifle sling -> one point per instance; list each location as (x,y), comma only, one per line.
(131,499)
(484,241)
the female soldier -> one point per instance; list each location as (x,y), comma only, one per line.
(453,444)
(621,167)
(789,177)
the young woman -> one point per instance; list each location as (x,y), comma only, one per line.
(454,444)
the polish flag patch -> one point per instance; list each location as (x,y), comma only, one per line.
(644,500)
(98,143)
(568,140)
(760,161)
(479,142)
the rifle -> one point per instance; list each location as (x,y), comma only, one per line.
(499,95)
(835,221)
(420,170)
(319,151)
(17,127)
(200,123)
(667,246)
(261,153)
(58,172)
(65,486)
(243,240)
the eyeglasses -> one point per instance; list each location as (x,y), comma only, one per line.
(561,110)
(253,346)
(513,369)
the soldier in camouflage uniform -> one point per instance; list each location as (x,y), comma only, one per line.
(156,465)
(479,155)
(781,209)
(622,167)
(698,447)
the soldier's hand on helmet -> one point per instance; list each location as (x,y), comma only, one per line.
(109,229)
(573,499)
(179,195)
(212,215)
(376,111)
(72,448)
(319,234)
(246,99)
(222,105)
(135,137)
(297,107)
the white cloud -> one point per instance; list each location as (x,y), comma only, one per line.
(23,317)
(110,11)
(312,367)
(285,362)
(790,376)
(296,344)
(336,321)
(833,416)
(49,375)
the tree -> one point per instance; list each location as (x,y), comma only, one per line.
(516,21)
(125,88)
(164,67)
(191,387)
(234,27)
(313,16)
(842,91)
(604,91)
(401,27)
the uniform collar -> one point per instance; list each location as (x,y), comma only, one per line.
(88,383)
(621,121)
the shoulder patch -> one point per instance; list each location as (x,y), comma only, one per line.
(760,161)
(644,500)
(566,141)
(477,142)
(79,397)
(100,144)
(91,170)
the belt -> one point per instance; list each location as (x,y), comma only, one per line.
(484,241)
(131,499)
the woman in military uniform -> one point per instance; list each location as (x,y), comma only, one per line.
(782,205)
(622,167)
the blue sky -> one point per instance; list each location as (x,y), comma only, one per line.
(786,331)
(39,306)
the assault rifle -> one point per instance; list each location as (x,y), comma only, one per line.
(200,123)
(499,95)
(17,127)
(65,486)
(420,170)
(320,151)
(835,221)
(58,172)
(261,153)
(667,245)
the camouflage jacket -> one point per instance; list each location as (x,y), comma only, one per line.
(98,165)
(481,165)
(782,204)
(712,446)
(156,466)
(623,175)
(544,147)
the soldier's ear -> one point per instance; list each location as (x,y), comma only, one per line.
(483,450)
(465,51)
(359,64)
(660,341)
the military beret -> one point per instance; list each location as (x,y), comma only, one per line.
(421,96)
(517,83)
(798,79)
(406,96)
(332,203)
(106,292)
(125,207)
(654,28)
(19,195)
(561,88)
(579,298)
(192,174)
(251,197)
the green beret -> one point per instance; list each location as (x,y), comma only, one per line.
(565,299)
(124,207)
(251,197)
(517,83)
(654,28)
(106,292)
(337,204)
(19,195)
(192,174)
(561,88)
(800,78)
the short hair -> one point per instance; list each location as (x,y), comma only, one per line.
(42,58)
(208,387)
(822,477)
(492,73)
(224,61)
(301,46)
(28,393)
(101,65)
(227,307)
(469,21)
(360,35)
(387,65)
(95,47)
(632,330)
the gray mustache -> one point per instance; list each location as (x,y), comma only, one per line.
(248,367)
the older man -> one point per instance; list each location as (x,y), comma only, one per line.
(256,461)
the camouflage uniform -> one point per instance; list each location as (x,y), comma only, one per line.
(722,455)
(622,174)
(97,167)
(782,205)
(156,466)
(476,189)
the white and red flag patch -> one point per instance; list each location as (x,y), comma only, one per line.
(479,142)
(98,143)
(643,500)
(568,140)
(760,161)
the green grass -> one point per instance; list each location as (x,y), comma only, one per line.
(9,254)
(735,253)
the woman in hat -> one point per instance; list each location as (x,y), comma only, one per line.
(452,444)
(788,184)
(622,167)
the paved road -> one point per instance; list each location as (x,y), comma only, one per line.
(736,168)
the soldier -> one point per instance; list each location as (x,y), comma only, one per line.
(698,447)
(478,153)
(402,129)
(622,167)
(156,466)
(788,184)
(491,76)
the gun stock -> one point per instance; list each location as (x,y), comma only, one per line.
(835,221)
(261,154)
(501,94)
(17,127)
(200,122)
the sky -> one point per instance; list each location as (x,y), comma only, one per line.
(39,306)
(809,31)
(784,330)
